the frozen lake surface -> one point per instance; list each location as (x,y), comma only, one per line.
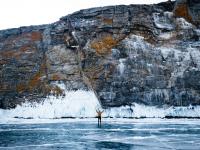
(125,134)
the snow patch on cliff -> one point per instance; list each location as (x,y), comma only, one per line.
(121,65)
(166,36)
(182,58)
(195,55)
(163,21)
(172,53)
(137,43)
(183,24)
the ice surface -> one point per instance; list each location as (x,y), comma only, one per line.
(158,134)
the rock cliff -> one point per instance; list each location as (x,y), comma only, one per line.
(147,54)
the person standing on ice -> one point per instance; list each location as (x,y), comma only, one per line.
(99,116)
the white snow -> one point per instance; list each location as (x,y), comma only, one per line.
(166,36)
(184,111)
(168,14)
(166,21)
(182,58)
(163,22)
(138,111)
(195,54)
(166,51)
(74,35)
(197,31)
(136,42)
(121,65)
(178,54)
(135,110)
(84,23)
(183,24)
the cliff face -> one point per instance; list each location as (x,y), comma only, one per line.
(138,53)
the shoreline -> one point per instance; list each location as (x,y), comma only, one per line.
(104,120)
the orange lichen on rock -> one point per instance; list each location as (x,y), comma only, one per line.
(24,48)
(182,10)
(93,72)
(104,45)
(105,20)
(21,88)
(17,53)
(38,80)
(35,80)
(29,48)
(2,62)
(108,21)
(4,87)
(55,77)
(11,54)
(36,36)
(43,66)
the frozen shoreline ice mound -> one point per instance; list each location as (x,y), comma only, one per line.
(74,104)
(83,104)
(78,103)
(189,111)
(142,111)
(134,111)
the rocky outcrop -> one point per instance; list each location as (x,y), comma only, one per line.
(138,53)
